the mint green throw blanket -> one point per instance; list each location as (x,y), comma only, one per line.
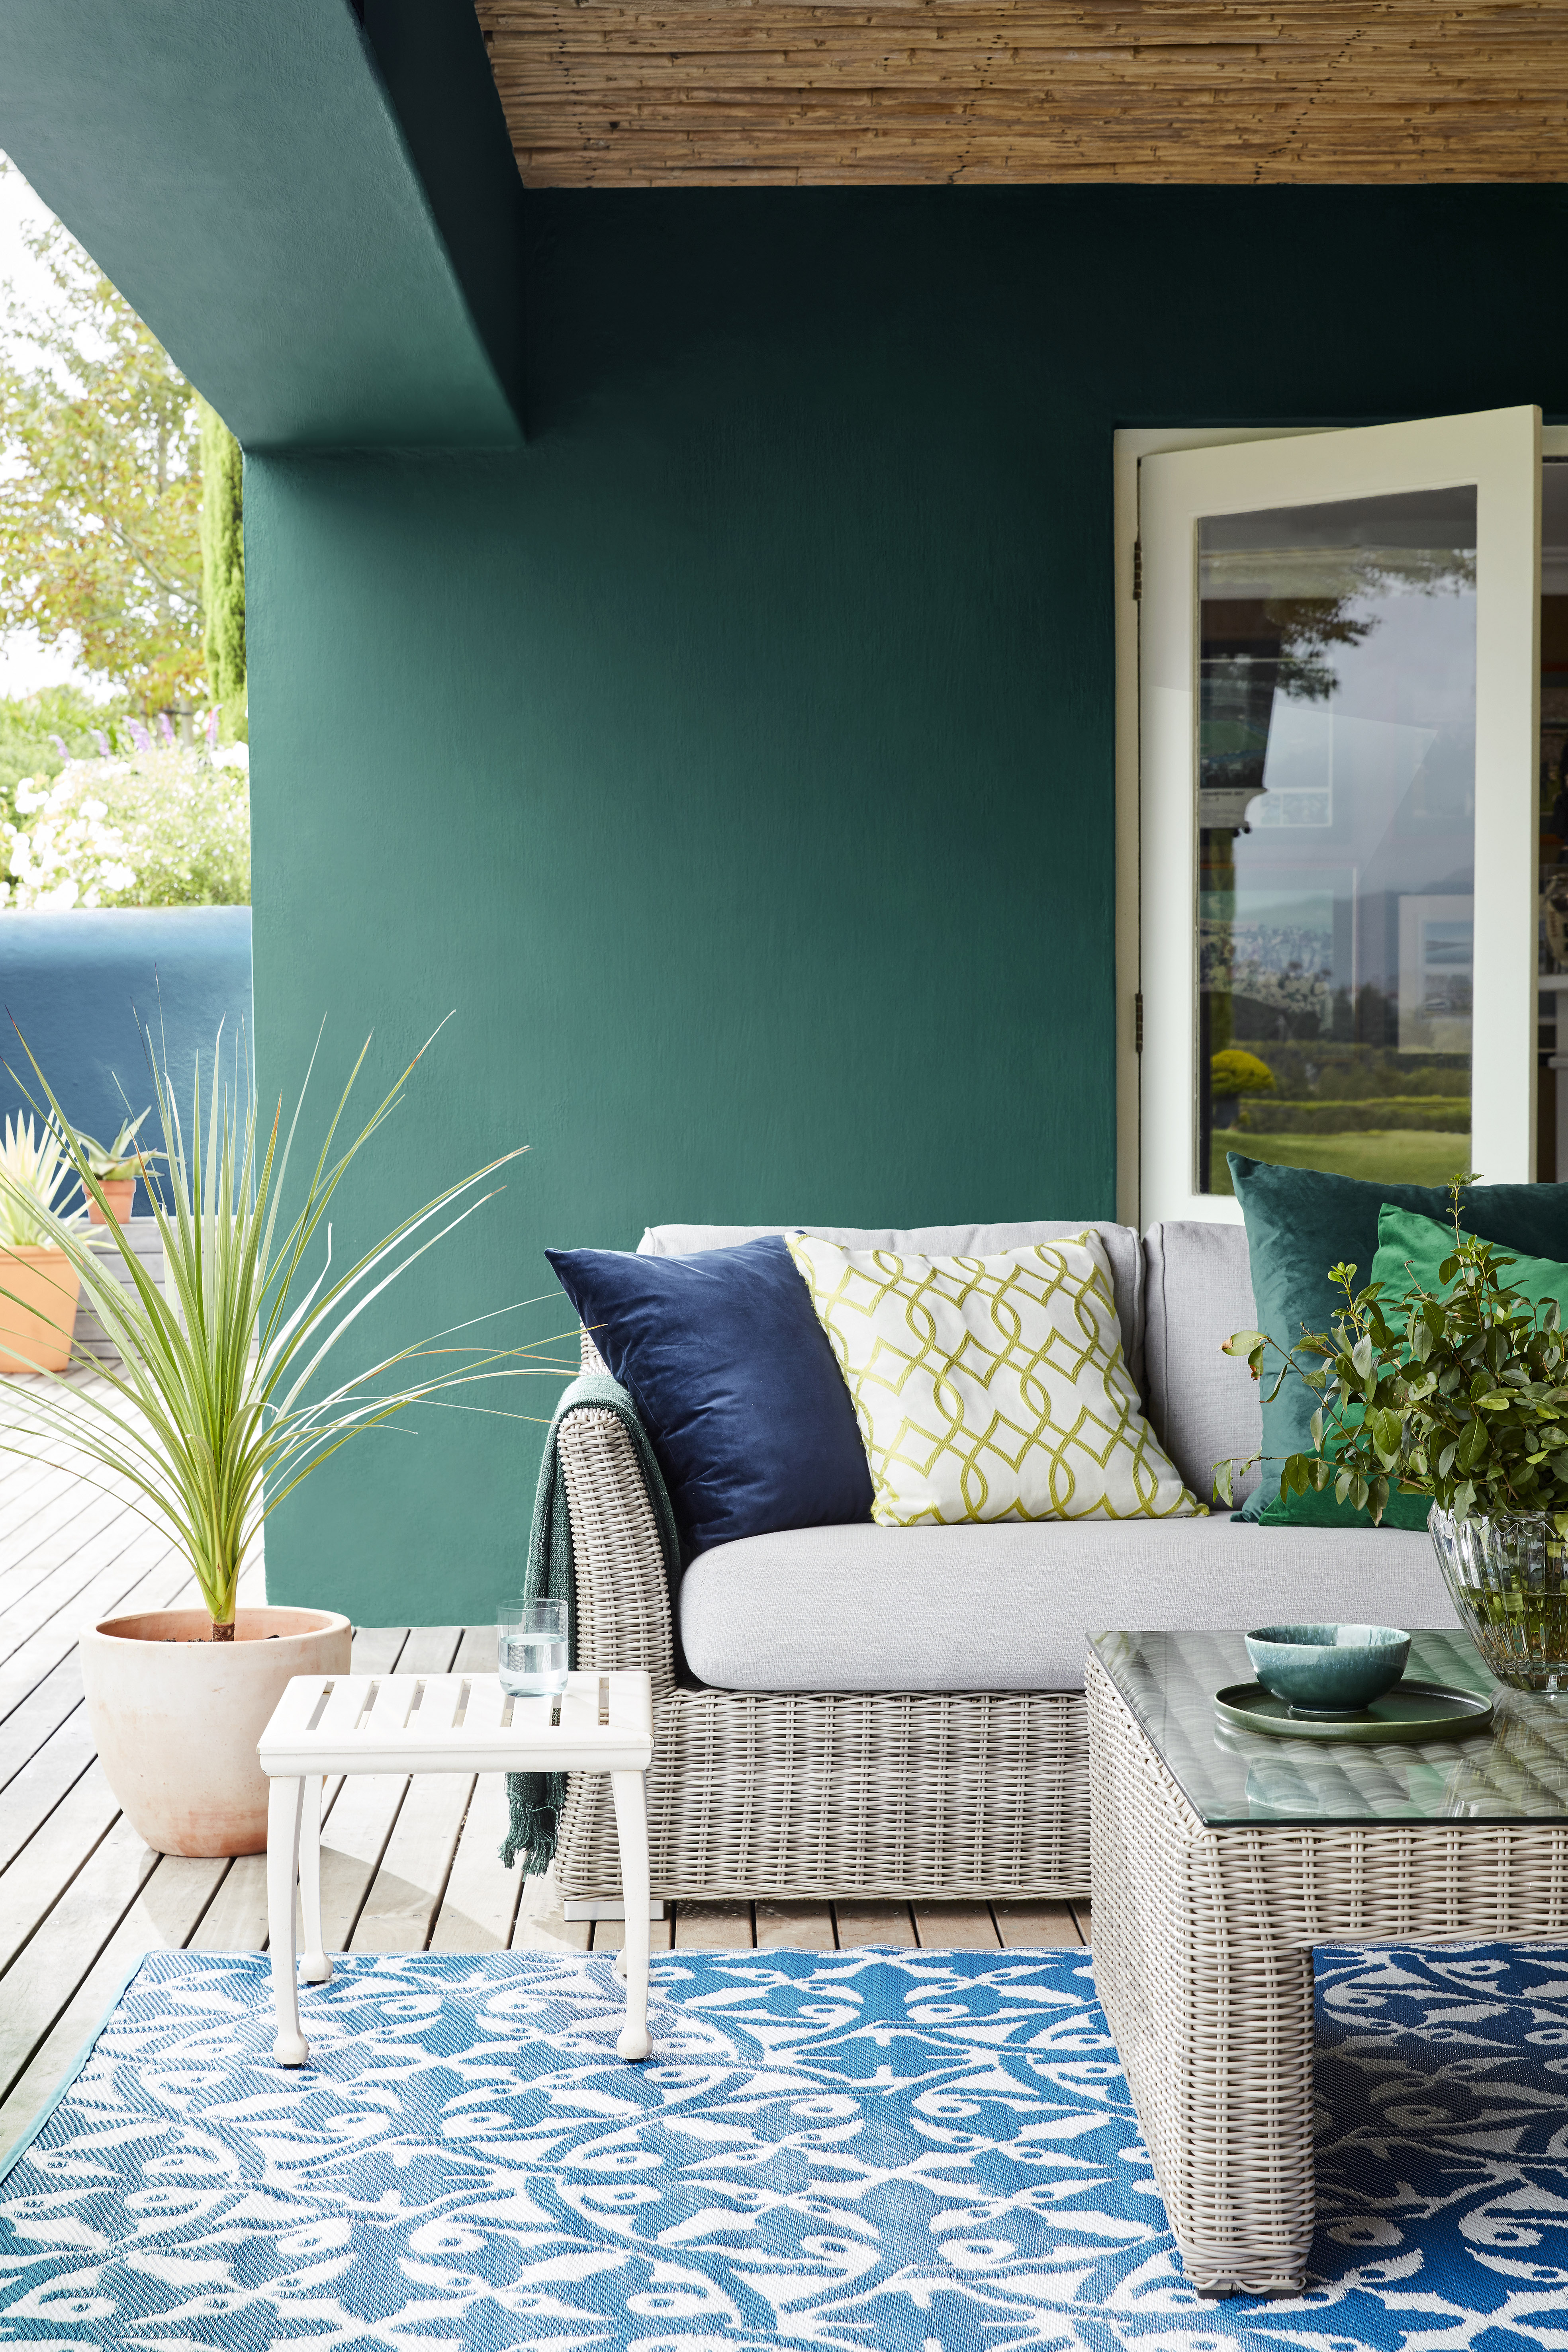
(536,1798)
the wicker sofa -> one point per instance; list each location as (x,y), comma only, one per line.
(899,1712)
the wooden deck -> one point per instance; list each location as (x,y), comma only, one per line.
(405,1866)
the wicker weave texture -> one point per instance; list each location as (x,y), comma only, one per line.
(806,1793)
(1203,1945)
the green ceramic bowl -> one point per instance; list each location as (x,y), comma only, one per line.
(1328,1670)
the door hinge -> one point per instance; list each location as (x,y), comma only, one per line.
(1138,1022)
(1137,570)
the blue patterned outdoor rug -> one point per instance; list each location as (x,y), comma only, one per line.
(889,2150)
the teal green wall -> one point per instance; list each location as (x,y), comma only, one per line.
(322,224)
(737,757)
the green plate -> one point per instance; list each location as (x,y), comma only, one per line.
(1410,1710)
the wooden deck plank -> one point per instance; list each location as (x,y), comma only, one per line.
(956,1927)
(480,1900)
(713,1928)
(796,1927)
(59,1582)
(150,1575)
(49,1864)
(1036,1926)
(541,1925)
(31,1795)
(236,1919)
(43,1979)
(164,1912)
(864,1921)
(478,1904)
(610,1935)
(365,1807)
(401,1908)
(45,1708)
(51,1541)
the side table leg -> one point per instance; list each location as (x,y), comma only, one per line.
(314,1966)
(631,1827)
(283,1809)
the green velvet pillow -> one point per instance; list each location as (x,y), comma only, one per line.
(1411,1249)
(1300,1222)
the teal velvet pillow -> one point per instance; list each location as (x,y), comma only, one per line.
(1411,1251)
(1299,1223)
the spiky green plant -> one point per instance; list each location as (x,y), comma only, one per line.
(123,1157)
(34,1170)
(221,1405)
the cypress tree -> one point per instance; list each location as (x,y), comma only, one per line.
(223,567)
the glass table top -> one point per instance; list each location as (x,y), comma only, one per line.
(1515,1769)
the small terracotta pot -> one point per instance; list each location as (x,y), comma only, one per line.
(44,1283)
(177,1716)
(119,1191)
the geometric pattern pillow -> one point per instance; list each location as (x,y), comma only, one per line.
(991,1388)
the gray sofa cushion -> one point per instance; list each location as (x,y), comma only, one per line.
(1006,1606)
(1122,1247)
(1204,1405)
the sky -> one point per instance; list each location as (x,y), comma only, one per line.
(25,664)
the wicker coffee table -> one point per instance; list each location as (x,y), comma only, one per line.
(1220,1858)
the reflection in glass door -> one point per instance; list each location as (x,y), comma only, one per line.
(1336,820)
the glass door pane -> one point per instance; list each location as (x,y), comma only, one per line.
(1336,822)
(1338,805)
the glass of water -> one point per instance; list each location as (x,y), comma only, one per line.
(532,1646)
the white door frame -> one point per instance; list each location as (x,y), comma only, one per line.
(1509,561)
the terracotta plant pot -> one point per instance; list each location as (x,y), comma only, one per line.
(119,1191)
(44,1285)
(177,1716)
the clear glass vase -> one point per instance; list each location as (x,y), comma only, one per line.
(1508,1581)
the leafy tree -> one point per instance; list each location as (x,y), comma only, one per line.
(99,506)
(223,566)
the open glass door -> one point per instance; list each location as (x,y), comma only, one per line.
(1339,786)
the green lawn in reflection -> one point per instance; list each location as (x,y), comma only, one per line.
(1391,1155)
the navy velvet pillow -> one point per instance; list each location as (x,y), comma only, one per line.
(735,1382)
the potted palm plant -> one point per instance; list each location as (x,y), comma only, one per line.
(224,1402)
(116,1167)
(1461,1396)
(39,1283)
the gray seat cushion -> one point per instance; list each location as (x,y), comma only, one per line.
(1006,1606)
(1204,1405)
(1122,1247)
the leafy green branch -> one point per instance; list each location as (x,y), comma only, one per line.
(1461,1396)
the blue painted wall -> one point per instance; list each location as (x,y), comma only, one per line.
(82,988)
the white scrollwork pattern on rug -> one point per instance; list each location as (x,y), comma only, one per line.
(881,2151)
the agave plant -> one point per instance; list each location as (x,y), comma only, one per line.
(34,1170)
(123,1157)
(224,1402)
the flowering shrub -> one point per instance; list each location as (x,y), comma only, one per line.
(169,826)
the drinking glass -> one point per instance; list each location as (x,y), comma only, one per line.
(532,1644)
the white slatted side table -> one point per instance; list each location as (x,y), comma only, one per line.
(445,1723)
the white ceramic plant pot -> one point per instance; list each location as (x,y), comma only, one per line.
(177,1716)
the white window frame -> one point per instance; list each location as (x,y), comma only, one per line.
(1506,830)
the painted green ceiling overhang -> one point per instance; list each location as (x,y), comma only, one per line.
(320,220)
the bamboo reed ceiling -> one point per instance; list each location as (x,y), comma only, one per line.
(726,93)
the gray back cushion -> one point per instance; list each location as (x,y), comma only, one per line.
(1122,1247)
(1204,1406)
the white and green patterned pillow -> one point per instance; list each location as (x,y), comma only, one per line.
(991,1388)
